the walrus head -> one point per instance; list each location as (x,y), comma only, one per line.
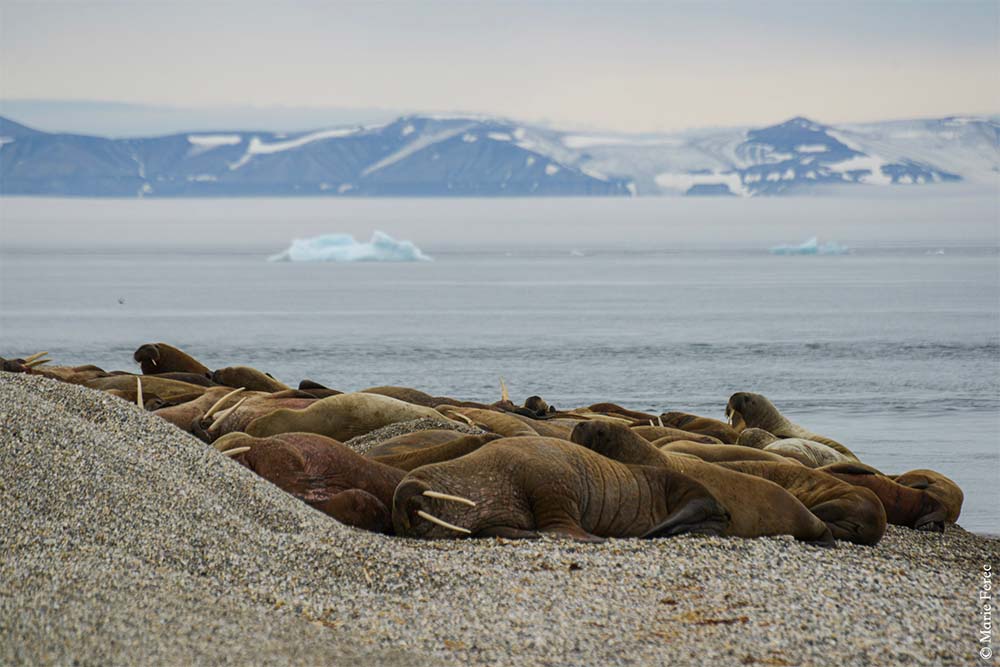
(419,510)
(746,410)
(537,406)
(358,508)
(148,353)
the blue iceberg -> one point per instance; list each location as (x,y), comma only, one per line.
(343,248)
(811,247)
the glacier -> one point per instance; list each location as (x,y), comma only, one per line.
(811,247)
(343,248)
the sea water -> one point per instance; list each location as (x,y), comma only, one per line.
(892,349)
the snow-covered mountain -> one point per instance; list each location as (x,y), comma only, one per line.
(433,155)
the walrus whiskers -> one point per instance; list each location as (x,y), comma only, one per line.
(138,392)
(445,496)
(225,413)
(235,451)
(218,404)
(444,524)
(37,355)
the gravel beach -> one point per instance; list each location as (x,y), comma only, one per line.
(125,541)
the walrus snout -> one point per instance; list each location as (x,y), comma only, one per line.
(358,508)
(740,404)
(416,510)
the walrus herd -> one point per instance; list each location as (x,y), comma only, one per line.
(587,473)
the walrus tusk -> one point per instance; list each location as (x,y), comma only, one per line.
(651,423)
(225,413)
(218,404)
(235,451)
(443,524)
(504,396)
(36,362)
(459,415)
(138,392)
(660,419)
(445,496)
(37,355)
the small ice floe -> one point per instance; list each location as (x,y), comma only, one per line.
(939,251)
(576,253)
(811,247)
(343,248)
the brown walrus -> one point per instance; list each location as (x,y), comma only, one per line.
(807,452)
(615,410)
(504,423)
(318,470)
(152,386)
(411,442)
(240,412)
(947,492)
(156,358)
(754,410)
(341,417)
(445,451)
(720,453)
(904,506)
(521,487)
(703,425)
(249,378)
(757,506)
(182,415)
(853,513)
(664,434)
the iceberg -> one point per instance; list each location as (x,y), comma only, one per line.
(811,247)
(343,248)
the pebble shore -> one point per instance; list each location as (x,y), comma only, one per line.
(126,541)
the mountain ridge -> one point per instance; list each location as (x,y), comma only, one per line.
(474,155)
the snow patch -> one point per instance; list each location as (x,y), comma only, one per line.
(213,140)
(812,148)
(408,130)
(551,169)
(530,160)
(343,248)
(202,178)
(870,163)
(683,182)
(469,138)
(499,136)
(416,145)
(585,141)
(6,140)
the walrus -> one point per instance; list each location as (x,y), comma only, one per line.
(616,410)
(548,428)
(156,358)
(152,386)
(521,487)
(904,506)
(184,414)
(665,434)
(807,452)
(410,442)
(445,451)
(938,486)
(317,390)
(720,453)
(756,506)
(853,513)
(703,425)
(537,406)
(251,405)
(248,378)
(408,395)
(754,410)
(492,420)
(757,438)
(341,417)
(317,470)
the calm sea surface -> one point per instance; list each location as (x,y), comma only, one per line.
(891,350)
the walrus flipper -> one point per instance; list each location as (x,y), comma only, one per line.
(508,533)
(703,516)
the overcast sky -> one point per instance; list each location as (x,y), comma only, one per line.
(625,66)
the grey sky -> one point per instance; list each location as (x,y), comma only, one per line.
(627,66)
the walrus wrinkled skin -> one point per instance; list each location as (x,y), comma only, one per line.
(249,378)
(318,470)
(152,387)
(904,506)
(747,410)
(243,409)
(156,358)
(720,453)
(505,424)
(341,417)
(703,425)
(947,492)
(615,410)
(446,451)
(757,438)
(853,513)
(182,415)
(521,487)
(411,442)
(757,507)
